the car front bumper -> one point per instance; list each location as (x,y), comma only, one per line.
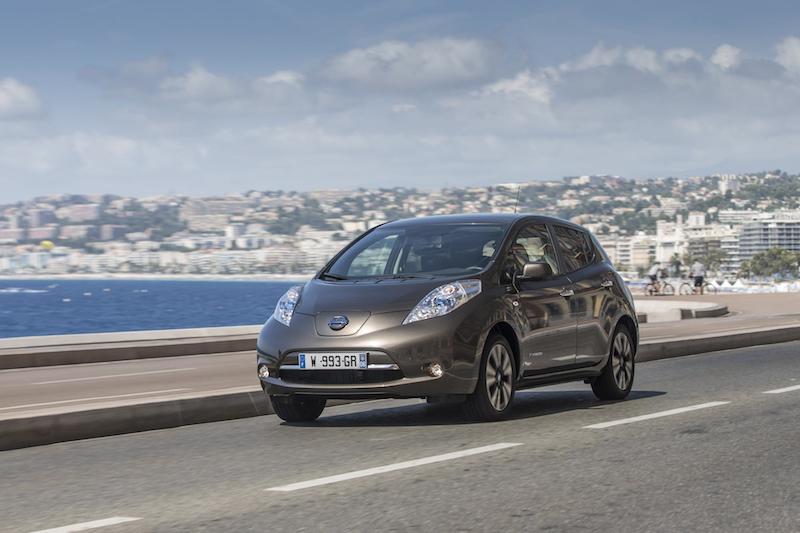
(399,357)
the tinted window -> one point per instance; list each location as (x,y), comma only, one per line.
(532,244)
(435,250)
(575,248)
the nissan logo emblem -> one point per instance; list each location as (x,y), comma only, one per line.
(338,322)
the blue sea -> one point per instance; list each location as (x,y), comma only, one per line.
(57,307)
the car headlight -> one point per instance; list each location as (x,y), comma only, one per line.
(444,299)
(285,307)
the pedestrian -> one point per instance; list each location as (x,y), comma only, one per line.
(698,272)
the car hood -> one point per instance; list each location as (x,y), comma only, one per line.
(370,296)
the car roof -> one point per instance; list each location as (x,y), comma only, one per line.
(477,218)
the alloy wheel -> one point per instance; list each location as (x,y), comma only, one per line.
(499,377)
(622,361)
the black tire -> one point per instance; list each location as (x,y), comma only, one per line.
(610,384)
(650,289)
(709,289)
(667,289)
(297,408)
(686,289)
(492,401)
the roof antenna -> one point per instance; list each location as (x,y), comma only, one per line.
(516,203)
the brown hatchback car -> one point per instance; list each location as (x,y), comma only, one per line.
(463,308)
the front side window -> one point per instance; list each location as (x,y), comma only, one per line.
(532,244)
(429,250)
(575,248)
(372,261)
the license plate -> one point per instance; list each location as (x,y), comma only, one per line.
(332,361)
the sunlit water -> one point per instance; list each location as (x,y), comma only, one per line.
(55,307)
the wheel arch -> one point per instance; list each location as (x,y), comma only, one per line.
(510,334)
(628,322)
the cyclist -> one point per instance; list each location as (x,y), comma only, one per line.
(654,274)
(698,272)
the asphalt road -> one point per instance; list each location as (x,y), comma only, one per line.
(35,390)
(565,462)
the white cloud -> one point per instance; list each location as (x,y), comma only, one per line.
(198,84)
(403,65)
(599,56)
(789,54)
(17,100)
(288,77)
(726,57)
(643,59)
(639,58)
(680,55)
(535,86)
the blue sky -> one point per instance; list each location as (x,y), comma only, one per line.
(210,97)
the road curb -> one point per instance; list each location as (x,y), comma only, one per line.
(29,431)
(22,432)
(663,349)
(686,314)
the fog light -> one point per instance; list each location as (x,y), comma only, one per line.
(263,371)
(435,370)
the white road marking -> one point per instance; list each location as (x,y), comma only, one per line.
(83,526)
(396,466)
(95,398)
(654,415)
(107,376)
(785,389)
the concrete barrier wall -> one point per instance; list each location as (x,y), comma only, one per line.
(51,350)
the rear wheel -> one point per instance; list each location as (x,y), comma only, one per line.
(686,289)
(667,289)
(709,289)
(616,380)
(495,389)
(297,408)
(650,289)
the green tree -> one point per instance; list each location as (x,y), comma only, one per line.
(773,261)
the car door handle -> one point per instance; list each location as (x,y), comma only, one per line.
(607,284)
(566,293)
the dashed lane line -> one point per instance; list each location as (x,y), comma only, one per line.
(785,389)
(83,526)
(659,414)
(393,467)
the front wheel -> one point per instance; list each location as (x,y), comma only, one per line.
(686,289)
(297,408)
(667,289)
(616,380)
(495,389)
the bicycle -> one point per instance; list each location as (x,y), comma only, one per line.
(659,288)
(687,289)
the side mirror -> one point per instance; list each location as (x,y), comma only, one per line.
(535,271)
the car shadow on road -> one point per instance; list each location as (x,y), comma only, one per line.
(527,404)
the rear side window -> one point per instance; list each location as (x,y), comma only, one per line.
(576,248)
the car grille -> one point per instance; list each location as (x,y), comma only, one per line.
(339,377)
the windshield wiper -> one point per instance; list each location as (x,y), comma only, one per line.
(337,277)
(411,276)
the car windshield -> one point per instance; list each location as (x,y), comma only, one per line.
(420,251)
